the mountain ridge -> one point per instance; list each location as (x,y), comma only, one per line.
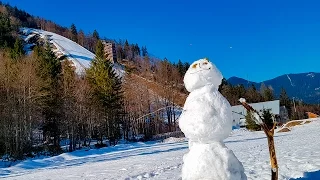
(308,73)
(303,86)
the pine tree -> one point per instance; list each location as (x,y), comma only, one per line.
(144,51)
(263,88)
(69,103)
(186,66)
(74,33)
(6,39)
(240,91)
(17,51)
(252,95)
(266,92)
(137,50)
(180,68)
(120,52)
(285,101)
(267,117)
(224,83)
(107,93)
(81,38)
(127,49)
(99,50)
(250,124)
(132,51)
(95,35)
(48,71)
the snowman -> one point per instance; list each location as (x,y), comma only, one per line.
(206,121)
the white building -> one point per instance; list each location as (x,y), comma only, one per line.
(239,112)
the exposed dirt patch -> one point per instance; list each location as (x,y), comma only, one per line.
(293,123)
(287,127)
(284,130)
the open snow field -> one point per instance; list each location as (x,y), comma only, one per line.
(298,155)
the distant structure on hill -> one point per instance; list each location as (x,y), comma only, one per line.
(239,112)
(312,115)
(110,51)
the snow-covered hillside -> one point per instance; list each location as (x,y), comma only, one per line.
(298,153)
(80,56)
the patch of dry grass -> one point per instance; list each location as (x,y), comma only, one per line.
(307,122)
(284,130)
(293,123)
(289,125)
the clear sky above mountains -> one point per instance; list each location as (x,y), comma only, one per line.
(254,39)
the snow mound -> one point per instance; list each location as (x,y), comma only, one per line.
(78,55)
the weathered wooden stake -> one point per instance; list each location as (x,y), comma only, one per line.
(269,133)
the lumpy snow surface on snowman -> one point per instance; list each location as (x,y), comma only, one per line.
(206,121)
(213,161)
(207,114)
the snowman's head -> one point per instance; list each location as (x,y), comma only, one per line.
(202,73)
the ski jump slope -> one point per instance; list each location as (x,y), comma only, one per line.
(80,56)
(298,153)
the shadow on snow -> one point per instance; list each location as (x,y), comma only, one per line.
(95,155)
(252,139)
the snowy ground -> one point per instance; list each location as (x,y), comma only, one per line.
(298,155)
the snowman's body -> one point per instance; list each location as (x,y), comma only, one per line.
(206,121)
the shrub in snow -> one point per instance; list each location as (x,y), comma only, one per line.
(206,121)
(250,123)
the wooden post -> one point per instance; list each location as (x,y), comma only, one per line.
(272,151)
(269,133)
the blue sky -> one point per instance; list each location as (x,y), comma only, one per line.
(257,39)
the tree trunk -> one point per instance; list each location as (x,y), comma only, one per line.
(273,158)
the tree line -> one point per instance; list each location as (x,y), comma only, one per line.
(296,108)
(43,101)
(47,108)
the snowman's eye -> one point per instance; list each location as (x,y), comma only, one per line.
(194,66)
